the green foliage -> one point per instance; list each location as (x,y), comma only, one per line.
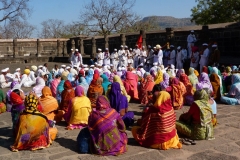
(216,11)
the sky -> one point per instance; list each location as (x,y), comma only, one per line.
(69,10)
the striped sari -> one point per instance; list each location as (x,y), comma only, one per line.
(158,128)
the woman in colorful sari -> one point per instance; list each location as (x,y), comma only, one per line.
(95,89)
(17,100)
(54,85)
(213,105)
(176,91)
(216,83)
(49,108)
(205,69)
(188,96)
(179,72)
(60,88)
(193,78)
(3,107)
(40,83)
(105,83)
(145,88)
(131,85)
(66,95)
(83,83)
(124,92)
(233,96)
(228,79)
(196,124)
(204,81)
(165,83)
(159,77)
(120,104)
(32,127)
(158,129)
(104,123)
(89,77)
(78,110)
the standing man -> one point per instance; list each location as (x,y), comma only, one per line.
(76,58)
(143,55)
(70,55)
(191,39)
(179,58)
(100,57)
(114,58)
(204,57)
(136,54)
(158,55)
(166,54)
(121,52)
(215,56)
(172,56)
(125,57)
(149,58)
(106,59)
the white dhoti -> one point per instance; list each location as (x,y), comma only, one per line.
(6,85)
(28,83)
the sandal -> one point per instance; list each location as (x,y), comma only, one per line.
(184,141)
(191,141)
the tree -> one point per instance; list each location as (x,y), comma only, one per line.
(216,11)
(10,10)
(17,29)
(74,29)
(52,28)
(103,17)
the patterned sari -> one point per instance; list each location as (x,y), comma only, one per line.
(32,128)
(2,105)
(188,96)
(158,125)
(131,85)
(107,129)
(197,122)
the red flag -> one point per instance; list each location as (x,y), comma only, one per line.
(139,42)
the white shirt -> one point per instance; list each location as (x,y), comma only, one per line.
(191,38)
(160,56)
(136,53)
(204,57)
(114,56)
(100,57)
(76,59)
(172,57)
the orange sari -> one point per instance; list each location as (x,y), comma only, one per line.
(215,81)
(145,87)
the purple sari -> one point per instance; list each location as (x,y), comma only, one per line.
(119,102)
(204,82)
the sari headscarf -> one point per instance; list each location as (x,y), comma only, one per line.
(188,96)
(48,103)
(15,99)
(145,87)
(158,125)
(204,81)
(89,77)
(79,91)
(83,83)
(131,84)
(105,83)
(31,104)
(205,69)
(40,83)
(179,72)
(102,103)
(116,78)
(210,70)
(176,93)
(165,83)
(192,77)
(67,94)
(235,78)
(159,77)
(111,77)
(115,97)
(229,70)
(234,68)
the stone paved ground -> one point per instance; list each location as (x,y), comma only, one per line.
(226,146)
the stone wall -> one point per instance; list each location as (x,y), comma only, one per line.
(227,35)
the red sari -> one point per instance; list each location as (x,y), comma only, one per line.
(131,84)
(67,95)
(146,87)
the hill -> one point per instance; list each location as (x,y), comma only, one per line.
(168,21)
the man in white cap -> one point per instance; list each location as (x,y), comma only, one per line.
(204,57)
(9,76)
(100,57)
(17,74)
(130,58)
(172,55)
(114,59)
(55,70)
(179,58)
(39,70)
(3,81)
(125,56)
(158,55)
(215,56)
(63,66)
(191,39)
(121,53)
(136,54)
(106,59)
(143,55)
(70,55)
(76,58)
(149,59)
